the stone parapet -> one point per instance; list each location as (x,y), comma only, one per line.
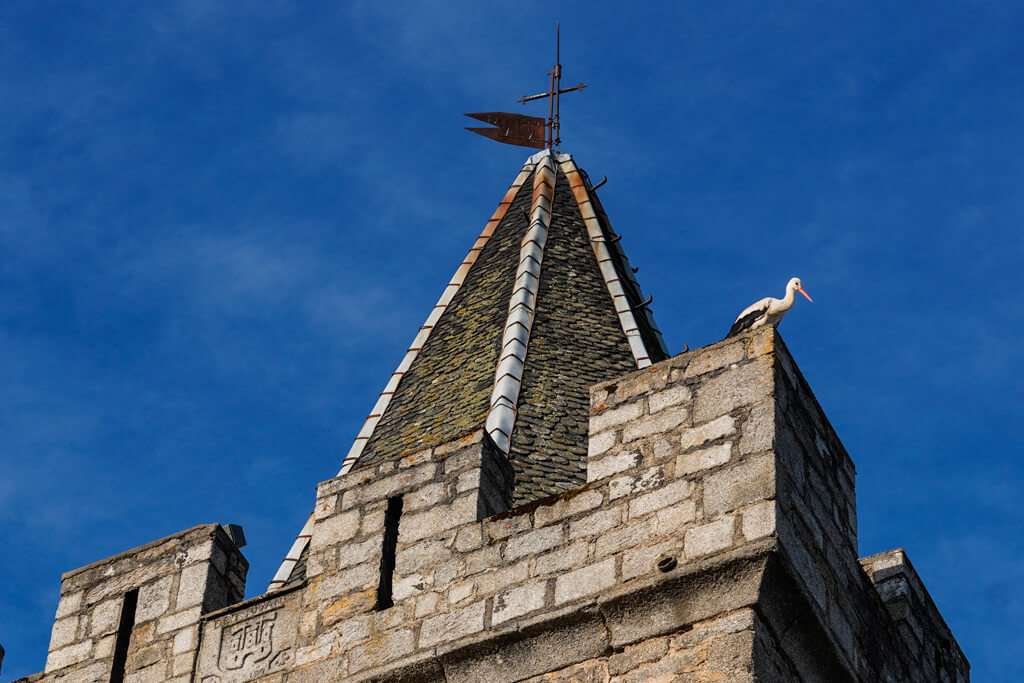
(573,574)
(921,627)
(738,421)
(676,527)
(715,539)
(146,602)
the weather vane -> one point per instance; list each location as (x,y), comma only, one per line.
(530,131)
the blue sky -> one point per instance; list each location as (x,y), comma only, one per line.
(220,229)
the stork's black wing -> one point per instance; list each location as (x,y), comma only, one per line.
(744,322)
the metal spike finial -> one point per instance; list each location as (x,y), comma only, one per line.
(529,131)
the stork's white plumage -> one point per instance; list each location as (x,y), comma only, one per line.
(768,311)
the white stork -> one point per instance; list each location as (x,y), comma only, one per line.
(768,311)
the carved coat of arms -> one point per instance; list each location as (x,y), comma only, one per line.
(252,640)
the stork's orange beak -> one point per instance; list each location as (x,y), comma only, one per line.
(801,290)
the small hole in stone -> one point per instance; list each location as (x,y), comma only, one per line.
(667,564)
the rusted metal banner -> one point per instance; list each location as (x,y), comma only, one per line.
(512,129)
(531,131)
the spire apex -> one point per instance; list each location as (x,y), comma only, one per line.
(529,131)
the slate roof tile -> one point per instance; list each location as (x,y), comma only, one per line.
(576,340)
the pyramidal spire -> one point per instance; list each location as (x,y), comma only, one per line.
(544,305)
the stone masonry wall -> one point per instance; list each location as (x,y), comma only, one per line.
(921,627)
(178,578)
(681,470)
(715,540)
(818,538)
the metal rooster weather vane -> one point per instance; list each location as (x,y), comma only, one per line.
(530,131)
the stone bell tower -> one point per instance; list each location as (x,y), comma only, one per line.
(542,493)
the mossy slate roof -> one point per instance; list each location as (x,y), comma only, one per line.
(576,340)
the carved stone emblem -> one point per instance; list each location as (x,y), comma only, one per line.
(252,639)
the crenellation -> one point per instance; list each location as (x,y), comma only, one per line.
(176,579)
(919,623)
(715,540)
